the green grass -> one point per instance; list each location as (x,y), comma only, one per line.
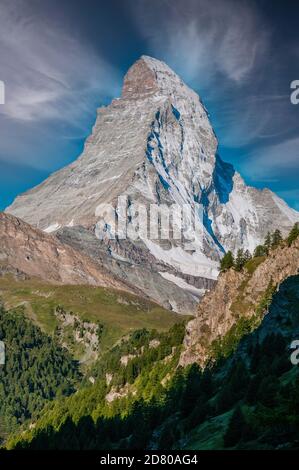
(253,263)
(119,312)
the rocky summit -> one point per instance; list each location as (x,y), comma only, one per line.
(155,145)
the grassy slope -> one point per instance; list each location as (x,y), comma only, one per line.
(119,312)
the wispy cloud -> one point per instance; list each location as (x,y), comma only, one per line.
(48,73)
(205,39)
(272,161)
(221,49)
(255,119)
(54,82)
(227,50)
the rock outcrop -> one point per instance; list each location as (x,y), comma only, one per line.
(236,295)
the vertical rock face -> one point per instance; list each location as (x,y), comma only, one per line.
(155,145)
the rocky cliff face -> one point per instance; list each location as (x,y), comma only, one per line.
(29,251)
(236,295)
(156,145)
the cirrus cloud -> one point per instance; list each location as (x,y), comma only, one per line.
(49,73)
(204,39)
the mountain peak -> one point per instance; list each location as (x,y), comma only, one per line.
(148,76)
(158,66)
(157,146)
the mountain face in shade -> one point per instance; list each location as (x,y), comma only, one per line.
(155,145)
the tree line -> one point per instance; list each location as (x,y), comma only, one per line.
(272,241)
(36,370)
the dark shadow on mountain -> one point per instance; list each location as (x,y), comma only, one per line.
(223,179)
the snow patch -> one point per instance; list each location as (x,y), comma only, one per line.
(195,264)
(52,228)
(183,284)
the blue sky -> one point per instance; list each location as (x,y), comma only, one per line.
(60,60)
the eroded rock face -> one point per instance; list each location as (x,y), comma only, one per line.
(140,81)
(235,295)
(27,250)
(155,145)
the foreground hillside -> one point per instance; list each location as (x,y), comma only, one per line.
(54,334)
(240,298)
(240,393)
(256,400)
(249,400)
(73,313)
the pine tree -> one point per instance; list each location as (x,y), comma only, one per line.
(266,393)
(240,260)
(252,388)
(268,242)
(260,250)
(236,428)
(227,261)
(192,389)
(293,235)
(247,256)
(276,238)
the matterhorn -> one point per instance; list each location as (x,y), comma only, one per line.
(155,145)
